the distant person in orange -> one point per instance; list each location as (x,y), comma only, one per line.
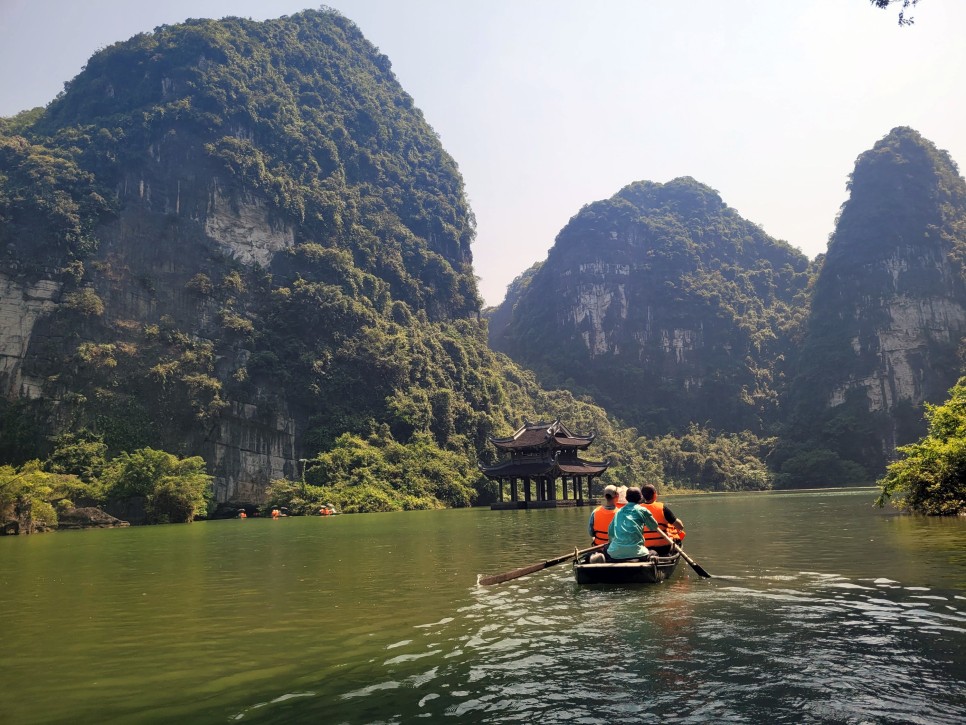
(666,520)
(276,513)
(601,516)
(242,515)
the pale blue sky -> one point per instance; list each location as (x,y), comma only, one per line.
(547,105)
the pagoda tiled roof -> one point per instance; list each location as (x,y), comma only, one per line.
(542,435)
(583,468)
(552,467)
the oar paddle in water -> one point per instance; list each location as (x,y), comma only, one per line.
(698,569)
(524,570)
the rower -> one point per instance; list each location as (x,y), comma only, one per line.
(666,520)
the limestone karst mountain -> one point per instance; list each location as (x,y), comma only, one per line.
(241,240)
(671,310)
(666,306)
(887,317)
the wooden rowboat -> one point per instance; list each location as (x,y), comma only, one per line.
(653,571)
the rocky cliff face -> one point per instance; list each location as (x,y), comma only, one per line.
(665,305)
(889,307)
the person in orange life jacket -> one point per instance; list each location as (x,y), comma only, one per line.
(626,531)
(601,516)
(669,523)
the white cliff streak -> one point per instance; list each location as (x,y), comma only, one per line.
(20,307)
(592,305)
(914,324)
(243,229)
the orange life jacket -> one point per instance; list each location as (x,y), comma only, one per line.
(653,539)
(602,519)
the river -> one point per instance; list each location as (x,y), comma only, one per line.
(822,609)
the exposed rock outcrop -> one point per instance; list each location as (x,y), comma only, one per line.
(88,517)
(21,304)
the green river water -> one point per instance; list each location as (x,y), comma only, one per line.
(821,609)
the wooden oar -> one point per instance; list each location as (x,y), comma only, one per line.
(698,569)
(524,570)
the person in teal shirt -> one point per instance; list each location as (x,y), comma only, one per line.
(626,531)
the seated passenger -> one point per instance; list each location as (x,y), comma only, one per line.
(601,516)
(626,531)
(666,520)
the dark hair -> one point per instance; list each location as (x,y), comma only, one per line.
(633,494)
(649,492)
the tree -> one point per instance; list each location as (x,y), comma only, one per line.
(931,476)
(32,496)
(175,490)
(906,4)
(82,454)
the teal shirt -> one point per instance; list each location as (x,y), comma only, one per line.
(626,532)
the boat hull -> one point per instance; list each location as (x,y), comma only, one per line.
(653,571)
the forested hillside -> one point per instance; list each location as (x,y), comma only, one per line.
(242,240)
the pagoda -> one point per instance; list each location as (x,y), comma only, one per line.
(540,453)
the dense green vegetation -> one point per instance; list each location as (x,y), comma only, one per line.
(930,475)
(49,206)
(703,460)
(301,110)
(365,331)
(163,487)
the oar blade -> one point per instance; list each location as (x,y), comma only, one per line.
(699,570)
(524,570)
(508,575)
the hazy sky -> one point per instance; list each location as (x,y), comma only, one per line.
(547,105)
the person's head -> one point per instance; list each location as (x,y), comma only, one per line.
(649,493)
(634,495)
(610,495)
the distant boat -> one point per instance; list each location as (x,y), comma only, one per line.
(653,571)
